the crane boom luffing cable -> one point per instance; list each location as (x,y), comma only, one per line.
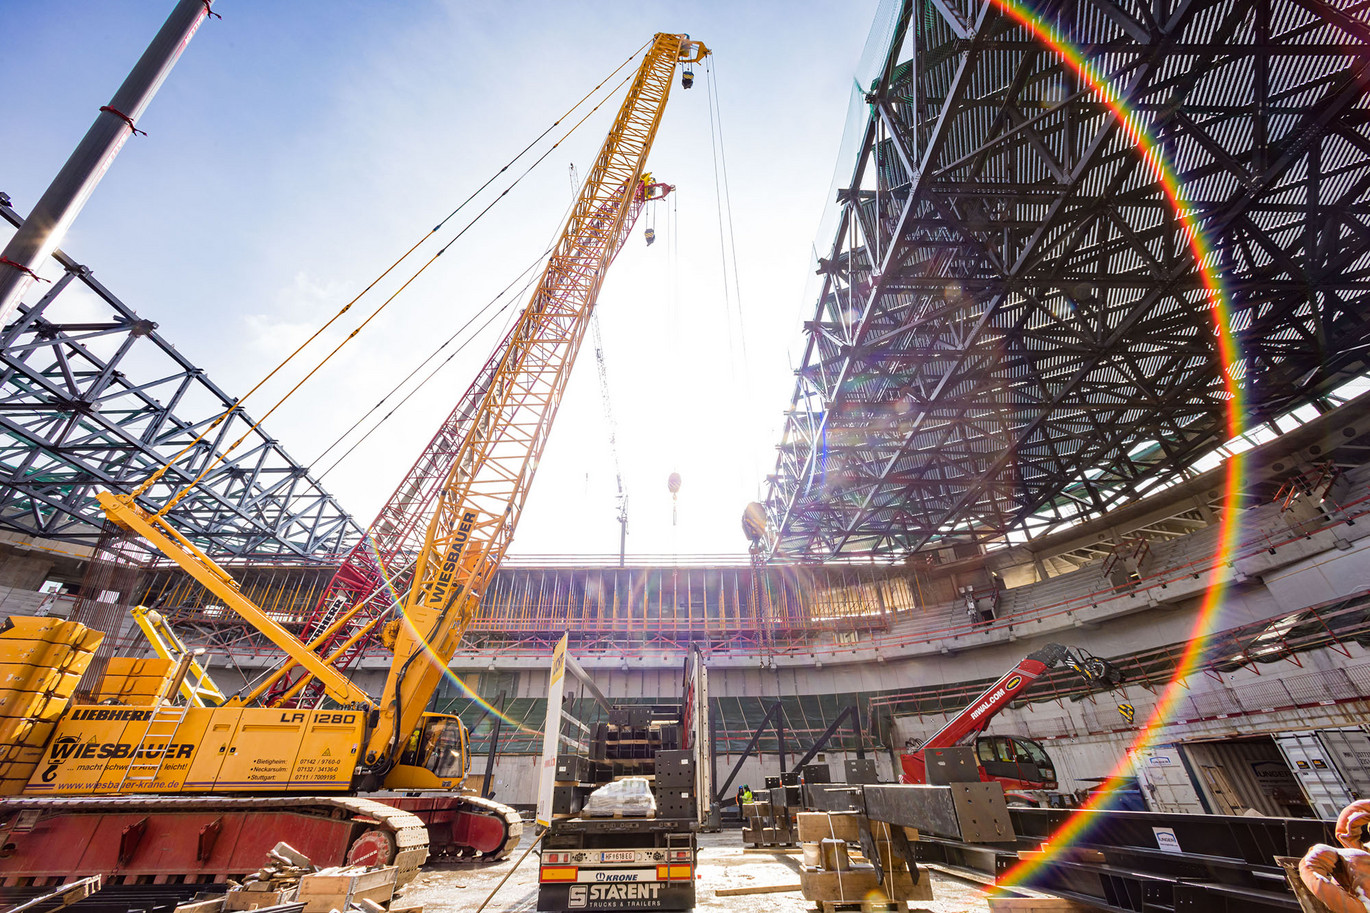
(488,481)
(395,535)
(485,491)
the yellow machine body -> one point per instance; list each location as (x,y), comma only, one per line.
(436,756)
(100,749)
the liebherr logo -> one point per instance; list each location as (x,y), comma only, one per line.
(441,590)
(103,713)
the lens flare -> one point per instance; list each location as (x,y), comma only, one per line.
(397,600)
(1154,158)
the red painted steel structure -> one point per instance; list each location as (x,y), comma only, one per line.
(132,844)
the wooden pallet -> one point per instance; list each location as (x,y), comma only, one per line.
(862,906)
(858,883)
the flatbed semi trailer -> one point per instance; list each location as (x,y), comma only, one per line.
(632,860)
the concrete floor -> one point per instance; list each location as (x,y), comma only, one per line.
(456,887)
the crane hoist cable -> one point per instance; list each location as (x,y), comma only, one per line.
(489,471)
(538,261)
(527,274)
(238,404)
(607,399)
(726,240)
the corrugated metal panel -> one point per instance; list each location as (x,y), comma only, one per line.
(1350,751)
(1315,772)
(1166,784)
(1248,774)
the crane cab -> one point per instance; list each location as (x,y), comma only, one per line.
(1015,762)
(435,757)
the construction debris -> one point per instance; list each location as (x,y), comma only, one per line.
(291,883)
(64,896)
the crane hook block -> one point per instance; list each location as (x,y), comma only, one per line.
(754,521)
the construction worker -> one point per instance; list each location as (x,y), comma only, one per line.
(747,794)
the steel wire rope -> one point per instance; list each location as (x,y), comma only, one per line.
(219,458)
(395,601)
(420,366)
(238,404)
(726,204)
(539,259)
(720,193)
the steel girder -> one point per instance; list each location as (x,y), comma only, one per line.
(92,397)
(1011,333)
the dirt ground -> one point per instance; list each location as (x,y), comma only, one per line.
(449,887)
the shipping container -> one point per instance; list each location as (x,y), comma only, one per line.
(1245,776)
(1349,750)
(1332,766)
(1165,780)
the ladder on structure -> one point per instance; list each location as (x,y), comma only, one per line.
(161,728)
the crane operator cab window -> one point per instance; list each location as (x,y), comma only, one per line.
(439,745)
(1023,760)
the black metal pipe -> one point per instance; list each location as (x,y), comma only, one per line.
(747,752)
(490,755)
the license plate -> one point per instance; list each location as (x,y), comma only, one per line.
(618,856)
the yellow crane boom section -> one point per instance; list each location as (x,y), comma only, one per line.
(483,496)
(123,510)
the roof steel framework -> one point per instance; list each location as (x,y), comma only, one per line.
(1011,333)
(92,397)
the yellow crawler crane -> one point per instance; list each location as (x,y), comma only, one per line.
(155,787)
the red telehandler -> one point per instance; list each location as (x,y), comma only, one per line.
(1019,764)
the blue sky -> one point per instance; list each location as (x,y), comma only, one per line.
(298,147)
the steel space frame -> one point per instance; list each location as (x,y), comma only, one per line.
(99,403)
(1012,333)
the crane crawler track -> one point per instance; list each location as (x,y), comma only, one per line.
(513,824)
(176,826)
(450,828)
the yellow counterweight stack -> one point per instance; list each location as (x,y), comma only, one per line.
(41,662)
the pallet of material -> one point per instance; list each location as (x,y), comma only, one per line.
(253,900)
(815,826)
(334,889)
(835,872)
(857,885)
(767,836)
